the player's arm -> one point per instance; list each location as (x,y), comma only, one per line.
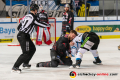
(19,26)
(41,24)
(38,18)
(71,19)
(70,22)
(76,45)
(51,24)
(63,44)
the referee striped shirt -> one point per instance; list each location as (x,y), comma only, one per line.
(29,22)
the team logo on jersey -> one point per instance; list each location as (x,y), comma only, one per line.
(65,13)
(42,16)
(72,74)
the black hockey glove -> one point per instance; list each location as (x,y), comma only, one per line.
(68,28)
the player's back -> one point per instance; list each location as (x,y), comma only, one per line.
(63,40)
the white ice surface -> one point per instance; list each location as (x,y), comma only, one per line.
(108,52)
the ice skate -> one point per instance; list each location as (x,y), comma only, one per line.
(26,66)
(39,64)
(77,65)
(16,70)
(97,61)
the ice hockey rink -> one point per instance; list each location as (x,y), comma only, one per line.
(108,52)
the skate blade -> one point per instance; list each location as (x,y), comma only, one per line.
(77,67)
(98,63)
(15,71)
(73,67)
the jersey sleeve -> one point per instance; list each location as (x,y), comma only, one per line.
(41,24)
(77,43)
(75,39)
(63,43)
(78,38)
(71,19)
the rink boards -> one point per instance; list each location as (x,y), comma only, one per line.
(109,29)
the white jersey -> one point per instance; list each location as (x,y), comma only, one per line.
(77,43)
(78,38)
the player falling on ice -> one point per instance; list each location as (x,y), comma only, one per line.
(43,32)
(25,28)
(60,52)
(87,41)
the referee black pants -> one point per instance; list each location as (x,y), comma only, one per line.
(28,49)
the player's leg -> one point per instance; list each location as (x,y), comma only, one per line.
(66,61)
(23,40)
(32,50)
(96,41)
(96,56)
(79,57)
(47,36)
(53,63)
(39,36)
(86,46)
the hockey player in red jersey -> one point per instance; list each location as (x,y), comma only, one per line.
(68,20)
(43,32)
(60,52)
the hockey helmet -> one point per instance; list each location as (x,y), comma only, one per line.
(67,5)
(40,7)
(34,7)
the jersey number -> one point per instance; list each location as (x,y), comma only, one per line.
(24,23)
(64,18)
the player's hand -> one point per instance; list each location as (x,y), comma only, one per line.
(67,28)
(70,55)
(52,24)
(71,43)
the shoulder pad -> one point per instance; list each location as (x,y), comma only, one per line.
(79,35)
(66,35)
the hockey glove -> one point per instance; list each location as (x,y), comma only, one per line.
(67,28)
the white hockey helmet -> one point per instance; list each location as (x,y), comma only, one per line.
(67,5)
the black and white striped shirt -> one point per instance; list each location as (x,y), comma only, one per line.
(29,22)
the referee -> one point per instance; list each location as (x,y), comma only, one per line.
(25,28)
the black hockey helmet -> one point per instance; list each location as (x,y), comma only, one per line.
(34,7)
